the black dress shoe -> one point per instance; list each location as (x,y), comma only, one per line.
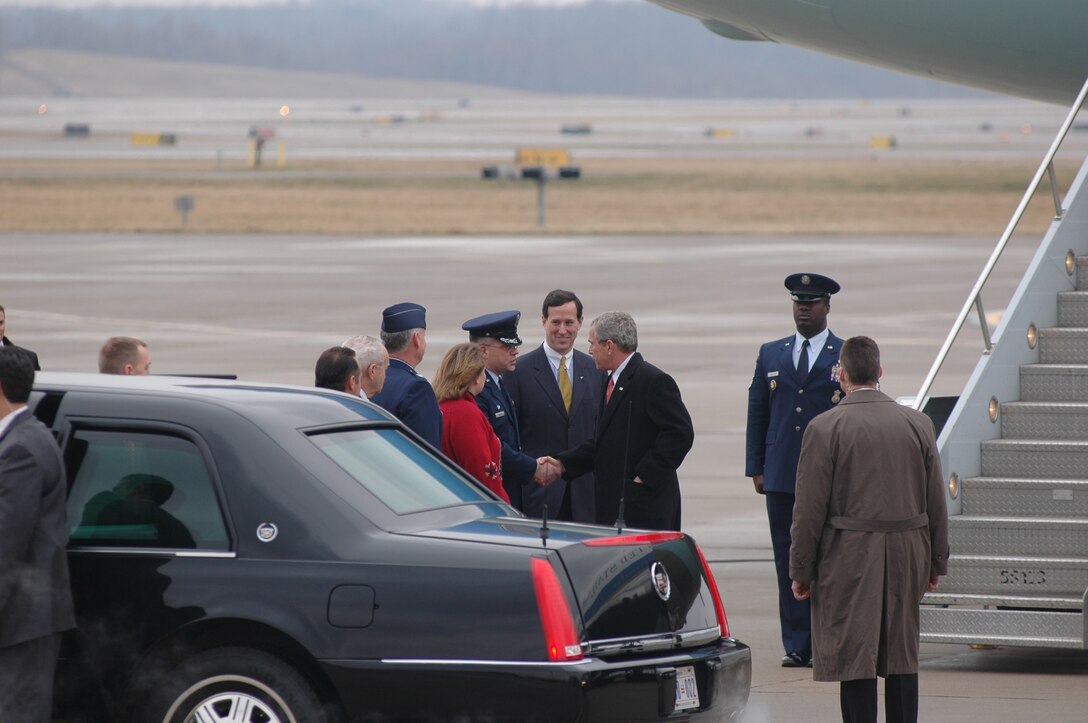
(793,660)
(809,663)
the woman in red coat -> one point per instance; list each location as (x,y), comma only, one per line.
(467,436)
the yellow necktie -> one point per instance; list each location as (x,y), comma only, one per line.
(565,390)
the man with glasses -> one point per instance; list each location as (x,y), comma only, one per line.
(497,335)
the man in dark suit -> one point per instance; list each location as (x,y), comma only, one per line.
(35,598)
(338,369)
(5,341)
(555,390)
(405,394)
(497,335)
(642,435)
(795,379)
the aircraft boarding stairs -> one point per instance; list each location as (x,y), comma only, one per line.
(1014,452)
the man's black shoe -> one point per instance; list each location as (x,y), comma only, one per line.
(793,660)
(809,663)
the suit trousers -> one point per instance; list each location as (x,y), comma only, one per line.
(26,680)
(857,698)
(793,614)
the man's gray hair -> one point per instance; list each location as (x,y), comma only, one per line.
(368,350)
(617,327)
(397,341)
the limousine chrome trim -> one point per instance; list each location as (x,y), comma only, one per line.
(129,552)
(518,663)
(653,642)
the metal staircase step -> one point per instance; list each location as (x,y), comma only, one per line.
(1073,308)
(1022,602)
(1034,459)
(1054,382)
(1044,420)
(1065,345)
(1034,628)
(998,496)
(1017,536)
(1019,577)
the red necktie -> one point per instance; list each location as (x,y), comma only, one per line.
(608,391)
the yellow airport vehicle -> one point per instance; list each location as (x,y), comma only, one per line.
(154,139)
(883,143)
(548,157)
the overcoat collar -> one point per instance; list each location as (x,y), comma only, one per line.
(403,365)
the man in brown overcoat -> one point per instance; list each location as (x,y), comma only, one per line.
(870,536)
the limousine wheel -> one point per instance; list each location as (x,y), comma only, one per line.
(236,685)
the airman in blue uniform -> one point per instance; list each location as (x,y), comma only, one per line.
(497,335)
(795,379)
(406,394)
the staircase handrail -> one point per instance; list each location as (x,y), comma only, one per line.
(975,297)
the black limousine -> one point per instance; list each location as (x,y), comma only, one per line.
(271,554)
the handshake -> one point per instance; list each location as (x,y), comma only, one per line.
(547,470)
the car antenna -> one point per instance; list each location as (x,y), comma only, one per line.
(544,531)
(620,522)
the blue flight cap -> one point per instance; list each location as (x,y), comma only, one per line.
(810,287)
(404,316)
(501,326)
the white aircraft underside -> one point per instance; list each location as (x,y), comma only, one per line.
(1031,48)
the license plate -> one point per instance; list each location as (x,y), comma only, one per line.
(687,693)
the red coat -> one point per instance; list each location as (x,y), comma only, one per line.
(469,440)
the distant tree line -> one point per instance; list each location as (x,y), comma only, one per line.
(610,48)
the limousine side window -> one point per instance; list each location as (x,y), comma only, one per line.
(144,490)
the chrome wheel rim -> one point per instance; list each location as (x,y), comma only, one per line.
(232,707)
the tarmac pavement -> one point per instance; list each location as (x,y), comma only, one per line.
(265,307)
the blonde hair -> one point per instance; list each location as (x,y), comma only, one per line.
(457,371)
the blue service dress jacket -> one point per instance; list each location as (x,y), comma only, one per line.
(518,468)
(780,406)
(546,428)
(408,396)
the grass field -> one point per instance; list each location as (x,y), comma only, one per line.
(879,194)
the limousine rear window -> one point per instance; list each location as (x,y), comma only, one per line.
(396,470)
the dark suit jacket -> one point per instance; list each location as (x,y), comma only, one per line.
(409,397)
(546,427)
(518,468)
(780,406)
(35,597)
(33,356)
(644,431)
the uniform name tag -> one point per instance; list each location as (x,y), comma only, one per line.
(772,374)
(499,413)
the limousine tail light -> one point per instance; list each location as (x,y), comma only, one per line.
(723,623)
(559,633)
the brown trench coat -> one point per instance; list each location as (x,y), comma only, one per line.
(872,465)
